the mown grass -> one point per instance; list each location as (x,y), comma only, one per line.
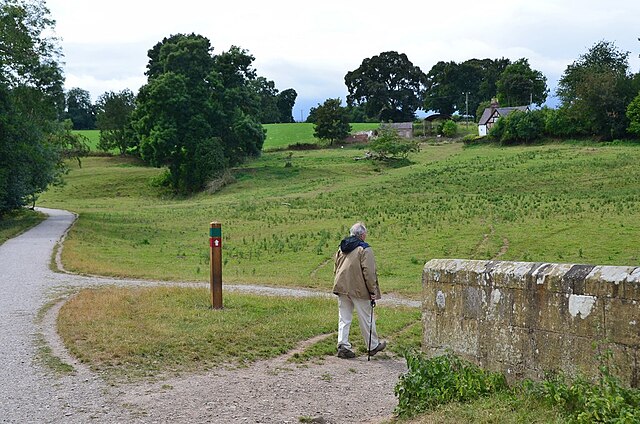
(16,222)
(144,332)
(93,138)
(555,203)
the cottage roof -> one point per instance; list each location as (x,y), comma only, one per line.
(485,116)
(501,111)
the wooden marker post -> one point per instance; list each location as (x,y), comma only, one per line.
(215,263)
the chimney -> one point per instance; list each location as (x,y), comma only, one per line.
(494,103)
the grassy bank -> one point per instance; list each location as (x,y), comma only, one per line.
(555,203)
(16,222)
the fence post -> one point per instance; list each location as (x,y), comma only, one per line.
(215,263)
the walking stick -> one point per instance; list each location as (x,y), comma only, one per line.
(373,305)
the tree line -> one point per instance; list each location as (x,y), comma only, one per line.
(598,93)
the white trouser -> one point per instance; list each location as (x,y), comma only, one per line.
(363,309)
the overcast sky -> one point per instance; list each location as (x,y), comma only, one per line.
(310,46)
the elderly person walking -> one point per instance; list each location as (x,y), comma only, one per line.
(356,284)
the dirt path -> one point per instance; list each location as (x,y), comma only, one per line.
(273,391)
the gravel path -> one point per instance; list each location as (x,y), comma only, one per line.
(273,391)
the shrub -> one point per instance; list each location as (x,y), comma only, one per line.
(633,114)
(389,144)
(449,129)
(519,127)
(440,380)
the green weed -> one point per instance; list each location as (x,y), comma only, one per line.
(441,380)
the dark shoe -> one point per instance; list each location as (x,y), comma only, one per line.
(345,353)
(378,348)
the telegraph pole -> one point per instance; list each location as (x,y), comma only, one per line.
(466,108)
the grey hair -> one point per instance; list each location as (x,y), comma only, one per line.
(357,229)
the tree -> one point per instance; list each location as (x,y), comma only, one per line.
(633,114)
(389,145)
(114,111)
(388,85)
(80,110)
(596,89)
(520,85)
(331,121)
(198,112)
(268,96)
(239,128)
(285,101)
(452,87)
(31,101)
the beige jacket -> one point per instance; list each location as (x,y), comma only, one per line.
(355,273)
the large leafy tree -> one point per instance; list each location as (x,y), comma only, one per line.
(388,85)
(267,95)
(595,91)
(285,102)
(520,85)
(451,87)
(80,110)
(331,121)
(239,128)
(114,111)
(31,102)
(198,113)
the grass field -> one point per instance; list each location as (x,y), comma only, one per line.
(278,135)
(142,332)
(576,203)
(282,135)
(572,202)
(93,137)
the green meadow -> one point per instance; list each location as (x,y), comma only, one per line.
(93,138)
(570,202)
(279,136)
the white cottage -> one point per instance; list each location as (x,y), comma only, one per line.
(493,113)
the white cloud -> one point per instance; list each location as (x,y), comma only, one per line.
(310,47)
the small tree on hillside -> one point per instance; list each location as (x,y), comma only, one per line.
(113,120)
(332,121)
(390,145)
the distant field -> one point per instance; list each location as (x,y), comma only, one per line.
(283,135)
(93,136)
(575,203)
(278,135)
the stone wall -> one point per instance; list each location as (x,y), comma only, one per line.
(526,319)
